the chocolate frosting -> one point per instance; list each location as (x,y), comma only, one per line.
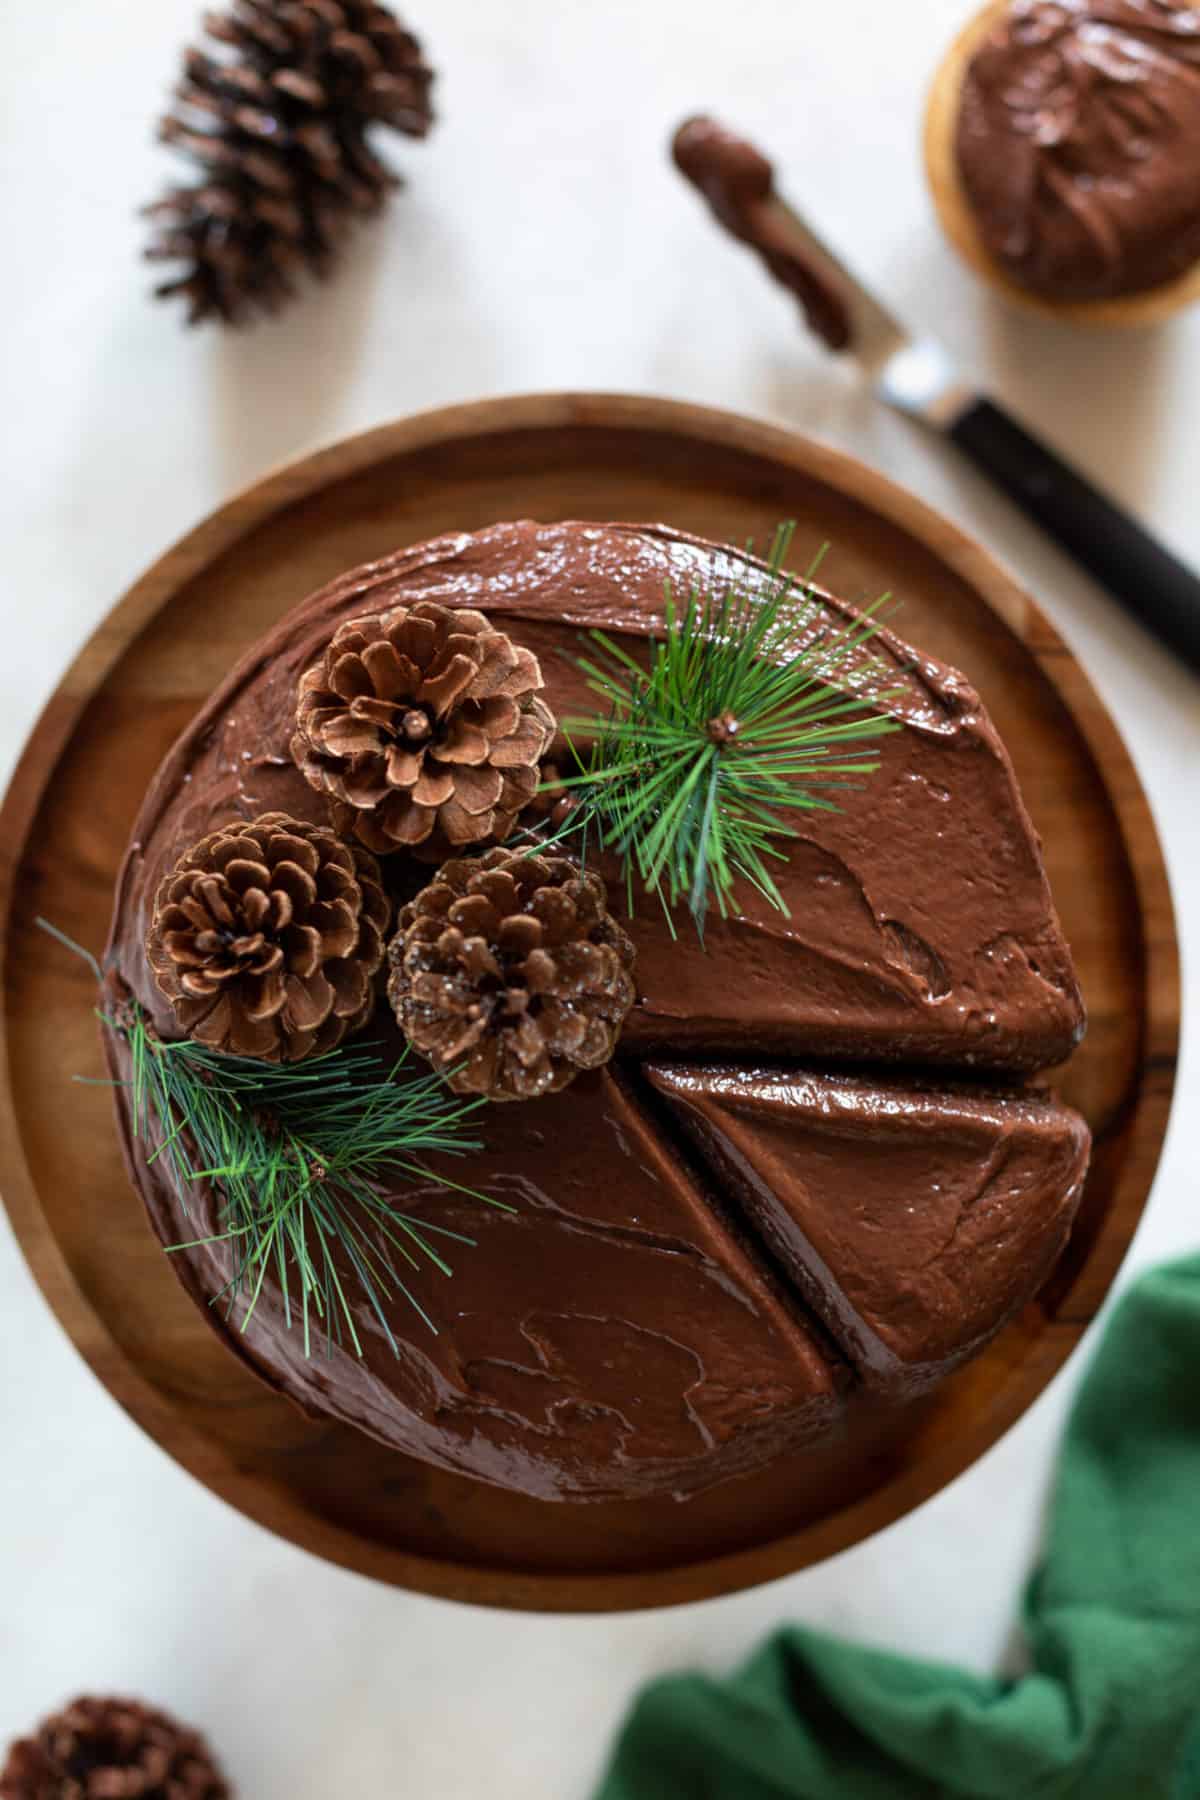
(616,1336)
(920,922)
(1078,143)
(739,184)
(607,1337)
(916,1221)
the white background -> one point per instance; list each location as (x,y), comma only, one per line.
(543,242)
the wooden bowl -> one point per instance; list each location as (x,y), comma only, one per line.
(65,824)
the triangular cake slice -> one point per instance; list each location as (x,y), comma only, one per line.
(915,1220)
(605,1335)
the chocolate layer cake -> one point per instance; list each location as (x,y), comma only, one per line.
(651,1319)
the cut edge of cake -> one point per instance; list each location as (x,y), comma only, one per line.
(915,1220)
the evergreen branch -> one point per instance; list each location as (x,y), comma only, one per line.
(700,758)
(297,1155)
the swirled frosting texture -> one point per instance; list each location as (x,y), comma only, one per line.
(616,1336)
(1078,143)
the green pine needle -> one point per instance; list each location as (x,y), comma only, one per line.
(297,1154)
(702,755)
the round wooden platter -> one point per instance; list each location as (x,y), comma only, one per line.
(140,679)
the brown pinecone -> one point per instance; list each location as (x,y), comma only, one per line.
(422,725)
(111,1750)
(554,801)
(509,970)
(279,124)
(266,938)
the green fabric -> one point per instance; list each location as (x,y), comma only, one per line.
(1111,1710)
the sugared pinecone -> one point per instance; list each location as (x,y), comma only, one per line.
(422,725)
(111,1750)
(279,124)
(266,939)
(510,971)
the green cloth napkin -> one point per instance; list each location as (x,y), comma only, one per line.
(1111,1710)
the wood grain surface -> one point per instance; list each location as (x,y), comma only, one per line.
(137,683)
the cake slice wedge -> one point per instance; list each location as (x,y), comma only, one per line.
(915,1220)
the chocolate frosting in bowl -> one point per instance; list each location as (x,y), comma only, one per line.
(1078,144)
(624,1332)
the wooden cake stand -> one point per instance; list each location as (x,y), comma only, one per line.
(136,685)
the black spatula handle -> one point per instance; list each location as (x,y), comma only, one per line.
(1140,572)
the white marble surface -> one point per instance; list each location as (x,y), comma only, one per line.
(543,243)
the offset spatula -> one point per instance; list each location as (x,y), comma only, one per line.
(915,376)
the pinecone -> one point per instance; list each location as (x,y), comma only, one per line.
(510,971)
(554,801)
(279,125)
(111,1750)
(423,726)
(266,938)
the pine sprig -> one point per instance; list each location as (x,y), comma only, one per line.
(297,1155)
(701,756)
